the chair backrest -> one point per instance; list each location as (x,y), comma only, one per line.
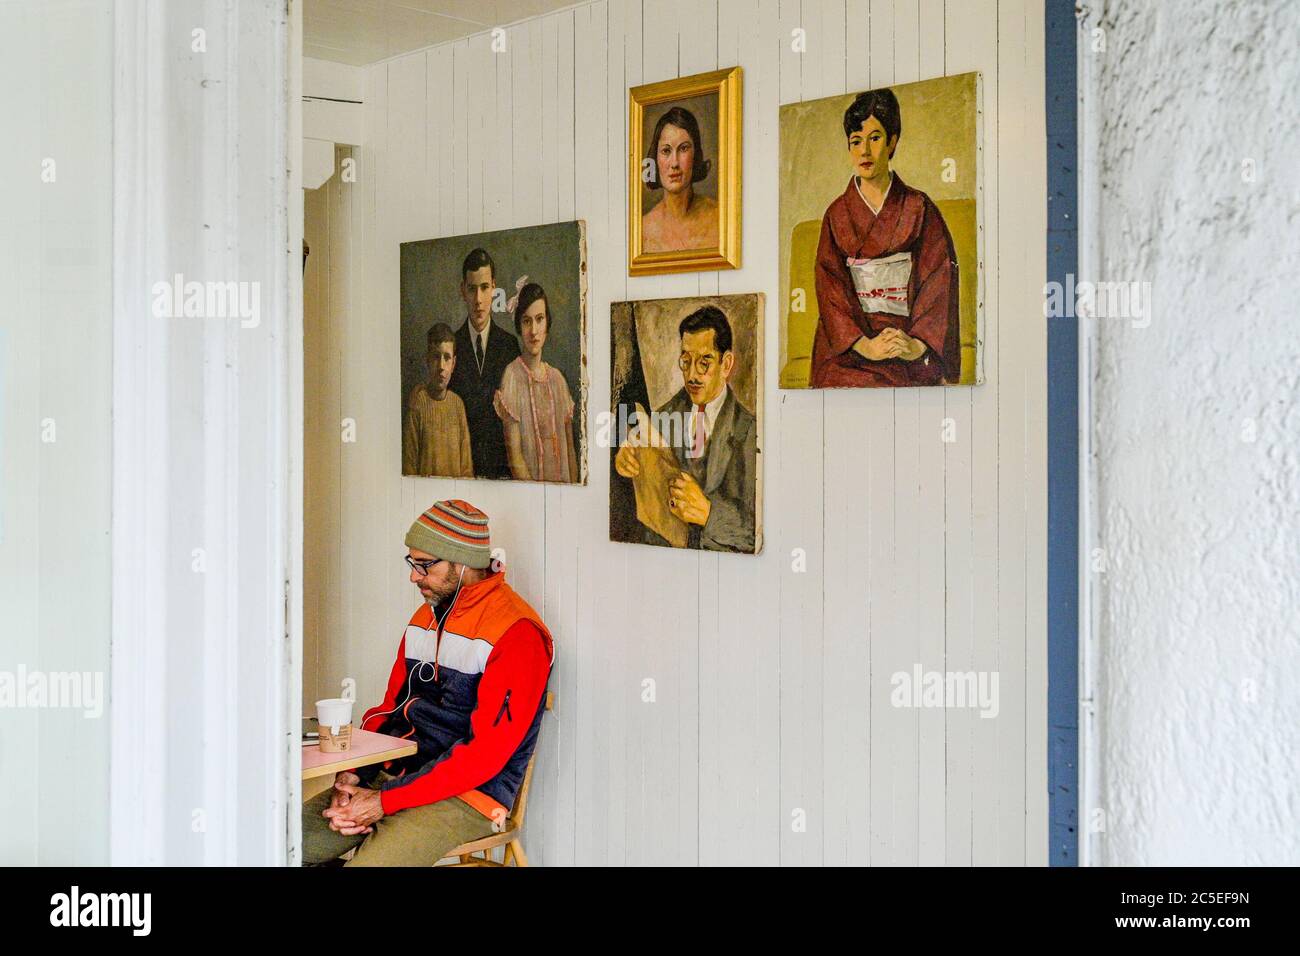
(516,818)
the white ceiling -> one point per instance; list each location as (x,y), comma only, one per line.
(364,31)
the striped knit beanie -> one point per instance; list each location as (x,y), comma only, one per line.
(453,530)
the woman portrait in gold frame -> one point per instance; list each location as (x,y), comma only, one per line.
(684,174)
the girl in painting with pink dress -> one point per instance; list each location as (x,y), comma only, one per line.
(534,403)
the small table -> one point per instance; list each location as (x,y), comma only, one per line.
(367,748)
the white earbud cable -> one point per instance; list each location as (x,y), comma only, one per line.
(420,666)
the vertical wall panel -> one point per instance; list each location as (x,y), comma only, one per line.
(849,451)
(890,648)
(984,451)
(932,534)
(793,445)
(969,43)
(408,153)
(583,660)
(567,521)
(822,74)
(1033,146)
(617,680)
(771,736)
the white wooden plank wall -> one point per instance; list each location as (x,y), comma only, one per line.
(770,738)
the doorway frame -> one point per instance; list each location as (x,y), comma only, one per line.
(194,133)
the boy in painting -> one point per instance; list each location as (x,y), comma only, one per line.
(682,219)
(534,403)
(436,439)
(886,271)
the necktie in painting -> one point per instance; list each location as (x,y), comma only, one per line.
(478,352)
(697,440)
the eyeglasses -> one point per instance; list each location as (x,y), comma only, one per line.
(422,566)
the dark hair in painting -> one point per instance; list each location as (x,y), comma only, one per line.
(709,317)
(440,332)
(883,105)
(527,296)
(682,119)
(476,260)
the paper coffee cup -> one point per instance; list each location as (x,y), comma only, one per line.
(335,718)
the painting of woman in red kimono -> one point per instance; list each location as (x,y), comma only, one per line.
(886,272)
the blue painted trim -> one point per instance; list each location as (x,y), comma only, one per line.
(1062,441)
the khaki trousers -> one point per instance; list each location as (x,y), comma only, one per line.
(417,836)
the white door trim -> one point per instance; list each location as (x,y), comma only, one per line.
(207,426)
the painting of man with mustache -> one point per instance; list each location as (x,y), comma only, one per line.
(692,467)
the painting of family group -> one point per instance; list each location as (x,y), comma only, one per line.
(493,339)
(879,237)
(686,418)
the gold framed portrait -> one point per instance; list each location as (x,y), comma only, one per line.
(684,174)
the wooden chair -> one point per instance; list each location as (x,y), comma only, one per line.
(510,833)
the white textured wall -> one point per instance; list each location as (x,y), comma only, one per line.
(1198,709)
(772,686)
(56,84)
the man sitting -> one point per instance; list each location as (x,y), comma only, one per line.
(468,684)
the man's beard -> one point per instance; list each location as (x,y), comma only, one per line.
(437,596)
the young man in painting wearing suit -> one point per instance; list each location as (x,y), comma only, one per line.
(483,351)
(718,454)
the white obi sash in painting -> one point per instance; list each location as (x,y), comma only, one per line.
(881,283)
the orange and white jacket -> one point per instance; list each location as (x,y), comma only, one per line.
(470,691)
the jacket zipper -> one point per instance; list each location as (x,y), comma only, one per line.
(505,709)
